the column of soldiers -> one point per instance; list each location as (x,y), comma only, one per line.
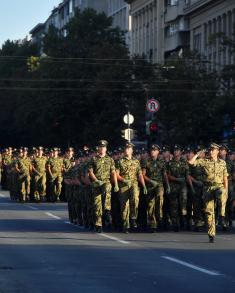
(37,176)
(129,190)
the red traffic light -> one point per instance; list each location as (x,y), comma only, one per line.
(153,127)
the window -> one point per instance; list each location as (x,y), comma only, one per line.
(197,39)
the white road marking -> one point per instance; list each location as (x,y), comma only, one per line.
(191,266)
(32,208)
(53,216)
(4,195)
(114,238)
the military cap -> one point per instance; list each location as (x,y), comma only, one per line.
(214,145)
(55,149)
(24,149)
(102,143)
(177,147)
(165,148)
(155,147)
(40,148)
(70,149)
(189,149)
(224,147)
(128,145)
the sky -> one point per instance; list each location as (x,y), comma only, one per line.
(18,17)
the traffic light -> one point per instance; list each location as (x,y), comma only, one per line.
(153,128)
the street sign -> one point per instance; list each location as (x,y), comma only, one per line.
(153,106)
(128,119)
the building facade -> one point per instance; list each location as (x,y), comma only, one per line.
(61,15)
(207,18)
(148,29)
(119,10)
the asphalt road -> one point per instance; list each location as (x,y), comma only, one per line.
(41,252)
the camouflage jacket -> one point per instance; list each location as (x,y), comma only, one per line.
(155,169)
(102,167)
(56,165)
(213,171)
(129,168)
(24,166)
(40,165)
(178,169)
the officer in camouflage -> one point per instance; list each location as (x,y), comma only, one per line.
(215,181)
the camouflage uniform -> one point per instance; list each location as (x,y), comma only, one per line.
(39,177)
(178,196)
(155,170)
(213,190)
(24,167)
(102,167)
(55,178)
(129,169)
(231,190)
(198,215)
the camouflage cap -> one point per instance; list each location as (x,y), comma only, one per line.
(214,146)
(165,148)
(55,149)
(70,149)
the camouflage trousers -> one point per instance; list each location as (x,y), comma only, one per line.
(55,184)
(129,203)
(101,202)
(197,204)
(155,199)
(24,187)
(213,195)
(39,189)
(178,202)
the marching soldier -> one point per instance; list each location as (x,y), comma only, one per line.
(154,172)
(128,174)
(215,180)
(178,172)
(55,169)
(101,171)
(23,169)
(39,175)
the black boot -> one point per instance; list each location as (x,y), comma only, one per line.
(211,239)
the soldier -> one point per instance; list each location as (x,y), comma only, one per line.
(23,169)
(223,154)
(55,169)
(6,162)
(101,171)
(154,172)
(215,180)
(178,172)
(69,162)
(196,179)
(128,174)
(39,175)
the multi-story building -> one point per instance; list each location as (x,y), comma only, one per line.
(148,28)
(61,15)
(164,28)
(176,28)
(119,10)
(207,18)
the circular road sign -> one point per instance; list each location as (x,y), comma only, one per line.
(128,119)
(152,106)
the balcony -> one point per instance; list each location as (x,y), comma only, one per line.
(178,40)
(194,5)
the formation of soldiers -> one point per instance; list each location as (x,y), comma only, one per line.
(129,190)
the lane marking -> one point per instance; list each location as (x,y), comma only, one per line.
(191,266)
(4,195)
(113,238)
(32,207)
(53,216)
